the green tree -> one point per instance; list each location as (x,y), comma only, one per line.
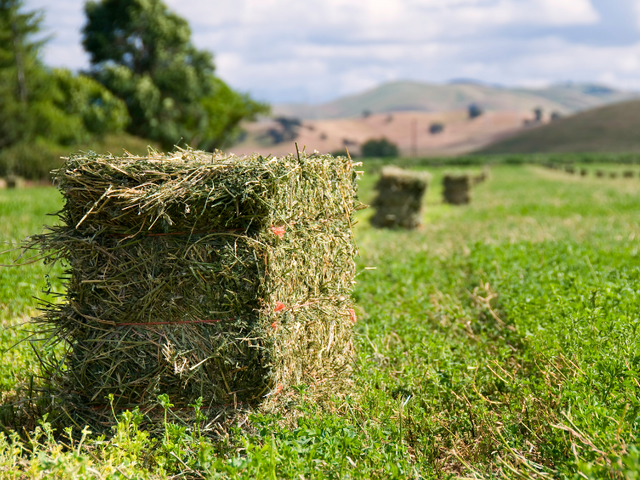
(20,69)
(43,109)
(382,148)
(142,52)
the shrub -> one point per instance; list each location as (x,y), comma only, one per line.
(382,148)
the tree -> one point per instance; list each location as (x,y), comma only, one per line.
(475,111)
(142,52)
(37,102)
(379,148)
(19,67)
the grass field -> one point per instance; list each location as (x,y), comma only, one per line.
(497,341)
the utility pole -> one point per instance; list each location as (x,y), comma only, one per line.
(17,47)
(414,138)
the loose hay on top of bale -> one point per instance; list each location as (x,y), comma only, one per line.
(200,275)
(457,188)
(399,202)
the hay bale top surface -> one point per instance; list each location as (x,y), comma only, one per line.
(160,192)
(457,176)
(399,175)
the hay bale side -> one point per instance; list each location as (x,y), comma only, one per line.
(399,203)
(206,276)
(457,188)
(14,181)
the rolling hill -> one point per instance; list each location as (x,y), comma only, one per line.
(423,97)
(613,128)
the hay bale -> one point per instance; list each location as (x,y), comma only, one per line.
(613,174)
(599,173)
(200,275)
(584,172)
(570,169)
(399,201)
(14,181)
(628,174)
(457,188)
(482,176)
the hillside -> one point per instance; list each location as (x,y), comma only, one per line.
(409,130)
(424,97)
(613,128)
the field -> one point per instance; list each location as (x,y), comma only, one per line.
(500,340)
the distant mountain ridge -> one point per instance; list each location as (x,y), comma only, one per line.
(406,96)
(612,128)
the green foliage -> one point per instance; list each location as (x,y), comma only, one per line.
(142,52)
(380,148)
(42,108)
(34,160)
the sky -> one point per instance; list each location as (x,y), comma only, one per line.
(312,51)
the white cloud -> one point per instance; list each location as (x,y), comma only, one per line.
(313,50)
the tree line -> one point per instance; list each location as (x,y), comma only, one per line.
(146,78)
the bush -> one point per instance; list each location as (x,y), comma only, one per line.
(381,148)
(35,160)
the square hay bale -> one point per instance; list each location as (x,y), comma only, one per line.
(584,172)
(457,188)
(628,174)
(613,174)
(399,203)
(14,181)
(202,275)
(483,176)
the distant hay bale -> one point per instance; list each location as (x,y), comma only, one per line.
(201,275)
(457,188)
(628,174)
(613,174)
(399,203)
(584,172)
(14,181)
(599,173)
(570,169)
(482,176)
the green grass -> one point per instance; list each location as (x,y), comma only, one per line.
(500,340)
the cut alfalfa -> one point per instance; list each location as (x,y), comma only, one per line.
(457,188)
(399,203)
(201,275)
